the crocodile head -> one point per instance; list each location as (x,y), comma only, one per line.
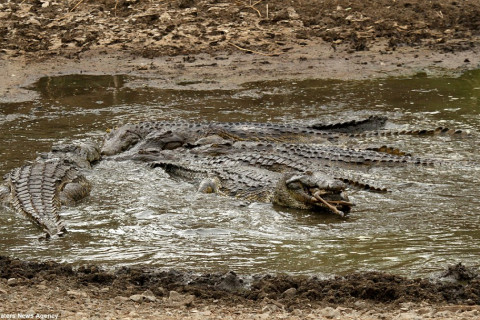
(80,154)
(120,139)
(129,137)
(312,191)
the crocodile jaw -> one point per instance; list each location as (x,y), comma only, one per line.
(311,191)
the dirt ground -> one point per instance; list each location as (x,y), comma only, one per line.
(219,44)
(215,44)
(51,289)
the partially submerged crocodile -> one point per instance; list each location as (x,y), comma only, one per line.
(39,189)
(290,165)
(170,135)
(308,191)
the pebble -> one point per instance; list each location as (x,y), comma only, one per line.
(424,311)
(443,314)
(77,293)
(33,21)
(290,292)
(297,312)
(330,313)
(176,299)
(149,296)
(408,316)
(136,298)
(121,299)
(12,281)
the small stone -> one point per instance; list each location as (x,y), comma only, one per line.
(41,287)
(2,291)
(297,312)
(137,298)
(443,314)
(424,311)
(290,292)
(162,291)
(265,315)
(408,316)
(77,293)
(121,299)
(33,21)
(149,296)
(165,17)
(174,296)
(330,313)
(292,14)
(176,299)
(270,308)
(12,281)
(360,304)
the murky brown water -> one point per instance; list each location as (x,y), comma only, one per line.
(136,215)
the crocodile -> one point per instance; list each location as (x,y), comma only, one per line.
(38,190)
(170,135)
(319,154)
(276,162)
(307,191)
(174,134)
(272,157)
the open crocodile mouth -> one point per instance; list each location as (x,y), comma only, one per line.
(334,202)
(319,191)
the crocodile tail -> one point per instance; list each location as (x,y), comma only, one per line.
(389,150)
(35,192)
(423,132)
(353,126)
(361,184)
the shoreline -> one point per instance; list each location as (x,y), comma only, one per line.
(225,71)
(146,293)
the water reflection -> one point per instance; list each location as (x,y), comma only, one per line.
(136,215)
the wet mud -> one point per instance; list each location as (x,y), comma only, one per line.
(206,44)
(458,285)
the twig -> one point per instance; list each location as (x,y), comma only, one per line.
(115,9)
(252,51)
(252,6)
(78,3)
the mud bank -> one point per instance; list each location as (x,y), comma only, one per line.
(57,289)
(230,70)
(219,44)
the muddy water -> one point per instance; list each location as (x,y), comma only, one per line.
(136,215)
